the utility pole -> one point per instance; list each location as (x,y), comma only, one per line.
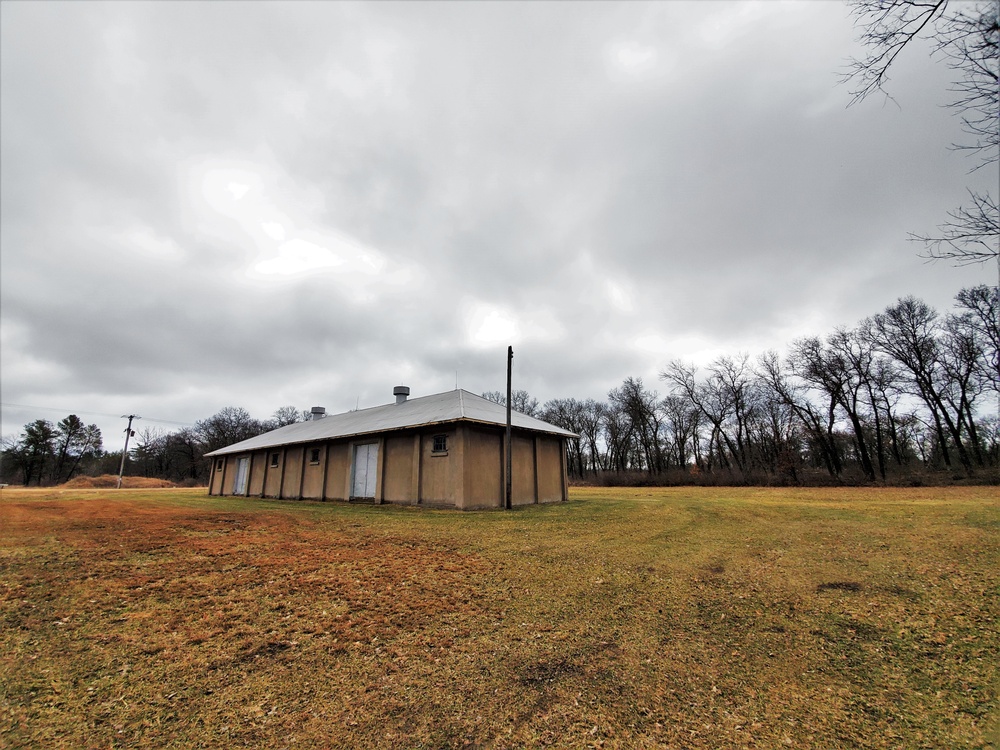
(507,500)
(128,434)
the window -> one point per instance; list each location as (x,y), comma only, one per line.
(219,464)
(274,460)
(314,456)
(440,444)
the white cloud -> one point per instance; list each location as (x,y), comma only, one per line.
(620,295)
(489,326)
(632,57)
(147,242)
(235,189)
(333,253)
(274,230)
(276,223)
(728,22)
(298,256)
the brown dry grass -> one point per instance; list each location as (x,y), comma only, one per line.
(107,481)
(687,618)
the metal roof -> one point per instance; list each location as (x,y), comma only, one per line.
(453,406)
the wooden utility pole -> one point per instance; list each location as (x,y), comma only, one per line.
(128,434)
(507,499)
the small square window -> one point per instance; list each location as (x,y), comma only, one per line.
(274,460)
(440,444)
(314,456)
(219,464)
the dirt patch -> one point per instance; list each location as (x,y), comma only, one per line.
(107,481)
(839,586)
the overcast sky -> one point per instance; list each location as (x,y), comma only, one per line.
(251,204)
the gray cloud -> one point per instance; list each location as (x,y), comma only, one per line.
(260,204)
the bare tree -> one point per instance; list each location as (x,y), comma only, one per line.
(910,333)
(148,452)
(818,422)
(520,401)
(856,350)
(591,420)
(708,401)
(727,400)
(732,379)
(568,414)
(618,432)
(962,358)
(229,425)
(982,307)
(970,235)
(967,37)
(284,415)
(682,419)
(885,382)
(775,437)
(641,408)
(823,366)
(183,456)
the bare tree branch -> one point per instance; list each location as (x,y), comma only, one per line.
(971,235)
(968,38)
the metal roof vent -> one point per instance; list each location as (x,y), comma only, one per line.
(317,412)
(401,392)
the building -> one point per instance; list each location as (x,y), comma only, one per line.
(445,450)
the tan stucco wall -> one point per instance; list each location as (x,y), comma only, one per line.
(550,483)
(483,470)
(469,475)
(293,471)
(312,476)
(256,484)
(272,484)
(338,469)
(522,490)
(230,474)
(215,482)
(440,474)
(398,485)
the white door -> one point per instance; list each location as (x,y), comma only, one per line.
(365,470)
(240,483)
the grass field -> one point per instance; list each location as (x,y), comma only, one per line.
(681,618)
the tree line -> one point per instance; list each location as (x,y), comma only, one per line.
(47,454)
(51,453)
(904,392)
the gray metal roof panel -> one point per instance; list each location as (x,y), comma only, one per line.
(452,406)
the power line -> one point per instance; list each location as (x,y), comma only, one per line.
(92,413)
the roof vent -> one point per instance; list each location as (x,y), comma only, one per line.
(317,412)
(401,392)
